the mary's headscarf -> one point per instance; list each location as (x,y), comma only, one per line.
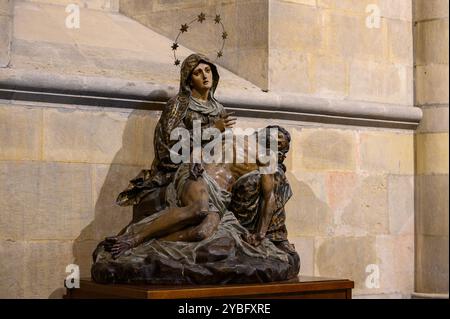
(175,112)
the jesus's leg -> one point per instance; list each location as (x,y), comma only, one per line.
(173,219)
(196,233)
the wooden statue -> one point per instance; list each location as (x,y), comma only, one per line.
(203,222)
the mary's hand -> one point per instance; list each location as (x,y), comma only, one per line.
(225,121)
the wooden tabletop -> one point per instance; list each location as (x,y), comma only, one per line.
(305,287)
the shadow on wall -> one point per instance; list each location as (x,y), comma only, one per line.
(108,181)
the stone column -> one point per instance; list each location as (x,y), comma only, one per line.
(432,197)
(6,18)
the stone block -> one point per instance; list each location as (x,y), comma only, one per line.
(316,181)
(399,10)
(434,120)
(432,42)
(305,249)
(307,213)
(396,264)
(33,22)
(319,149)
(387,152)
(330,76)
(109,217)
(82,254)
(290,71)
(179,4)
(432,264)
(20,133)
(432,83)
(253,65)
(137,139)
(247,13)
(18,196)
(432,205)
(367,212)
(12,269)
(96,29)
(294,27)
(99,137)
(345,257)
(347,36)
(381,82)
(30,54)
(430,9)
(44,200)
(64,203)
(104,5)
(401,204)
(432,153)
(45,268)
(6,7)
(340,187)
(400,42)
(129,7)
(353,6)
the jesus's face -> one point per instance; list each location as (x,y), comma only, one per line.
(283,146)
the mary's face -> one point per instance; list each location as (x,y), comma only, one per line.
(201,77)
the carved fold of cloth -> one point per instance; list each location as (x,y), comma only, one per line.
(222,258)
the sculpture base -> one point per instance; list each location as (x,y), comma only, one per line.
(298,288)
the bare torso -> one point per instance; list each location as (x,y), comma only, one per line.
(227,174)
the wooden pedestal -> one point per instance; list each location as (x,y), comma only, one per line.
(299,288)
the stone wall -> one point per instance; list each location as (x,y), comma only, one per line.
(332,48)
(432,94)
(314,47)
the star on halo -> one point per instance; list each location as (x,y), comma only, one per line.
(224,35)
(201,17)
(217,18)
(177,62)
(175,46)
(219,54)
(184,28)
